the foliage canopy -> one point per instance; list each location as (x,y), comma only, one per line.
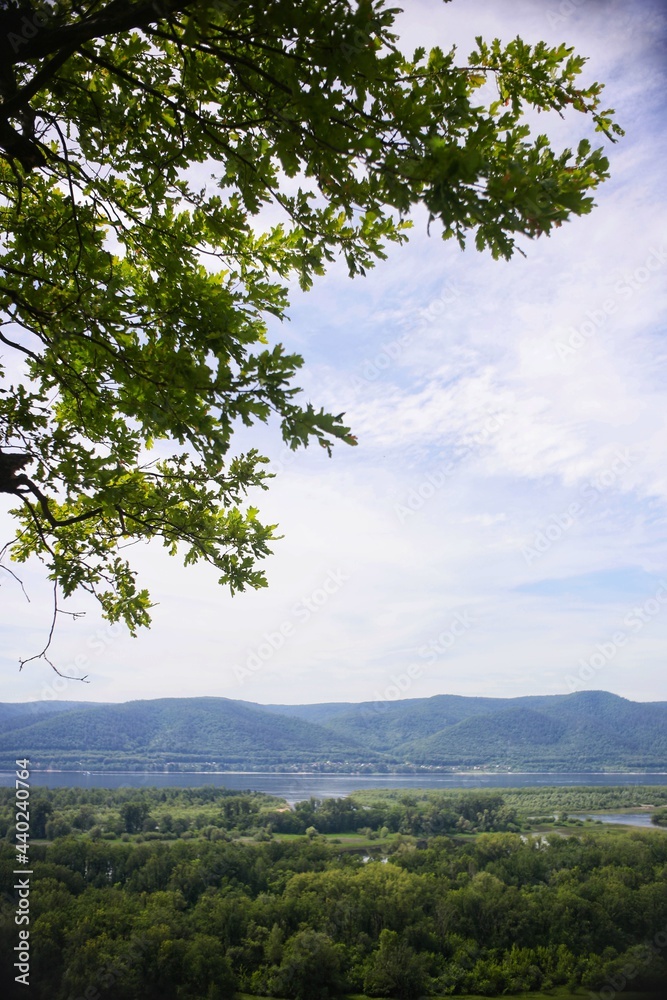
(191,907)
(139,144)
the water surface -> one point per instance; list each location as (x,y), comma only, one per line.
(298,786)
(626,819)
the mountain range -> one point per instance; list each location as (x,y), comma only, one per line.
(588,730)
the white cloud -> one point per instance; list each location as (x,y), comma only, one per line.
(480,389)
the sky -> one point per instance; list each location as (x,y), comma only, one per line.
(501,528)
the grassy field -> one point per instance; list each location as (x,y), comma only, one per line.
(353,841)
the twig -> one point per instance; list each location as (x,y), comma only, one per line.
(42,655)
(18,580)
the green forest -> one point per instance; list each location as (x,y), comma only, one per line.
(173,177)
(205,894)
(585,731)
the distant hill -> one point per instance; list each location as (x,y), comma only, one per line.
(19,713)
(589,730)
(176,731)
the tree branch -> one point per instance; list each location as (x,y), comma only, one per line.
(117,17)
(12,480)
(42,655)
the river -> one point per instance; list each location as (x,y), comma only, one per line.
(624,819)
(296,787)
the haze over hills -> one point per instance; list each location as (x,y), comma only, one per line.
(589,730)
(169,731)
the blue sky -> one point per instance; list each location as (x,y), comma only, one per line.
(500,529)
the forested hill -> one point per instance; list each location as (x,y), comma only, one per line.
(589,730)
